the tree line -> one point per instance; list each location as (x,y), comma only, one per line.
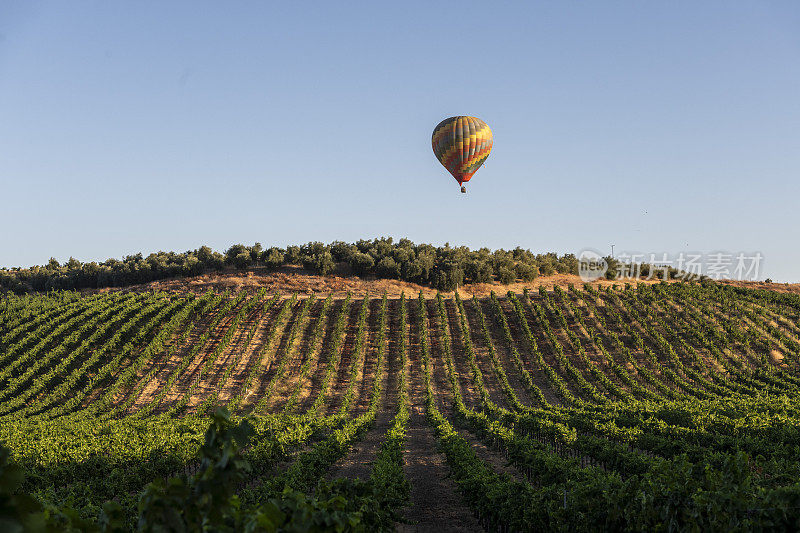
(442,267)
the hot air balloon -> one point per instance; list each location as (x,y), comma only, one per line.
(462,144)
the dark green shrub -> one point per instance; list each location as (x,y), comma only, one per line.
(546,269)
(242,260)
(230,255)
(388,268)
(342,251)
(478,271)
(506,275)
(361,263)
(525,272)
(273,258)
(255,252)
(293,255)
(320,263)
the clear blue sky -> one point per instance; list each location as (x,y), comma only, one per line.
(145,126)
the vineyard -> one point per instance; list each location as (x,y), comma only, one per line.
(668,406)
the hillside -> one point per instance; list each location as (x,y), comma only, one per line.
(298,280)
(560,407)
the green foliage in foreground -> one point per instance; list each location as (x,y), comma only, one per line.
(206,501)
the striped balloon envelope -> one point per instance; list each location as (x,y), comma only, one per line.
(462,144)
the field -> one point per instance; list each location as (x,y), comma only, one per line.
(598,407)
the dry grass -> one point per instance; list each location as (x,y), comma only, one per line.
(293,279)
(777,287)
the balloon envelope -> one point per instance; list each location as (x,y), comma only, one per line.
(462,144)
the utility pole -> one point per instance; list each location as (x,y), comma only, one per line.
(612,250)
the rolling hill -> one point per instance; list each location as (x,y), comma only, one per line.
(383,404)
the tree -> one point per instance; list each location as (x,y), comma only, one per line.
(546,269)
(273,258)
(361,263)
(293,255)
(255,252)
(506,275)
(242,260)
(478,271)
(234,251)
(411,270)
(426,261)
(191,266)
(525,272)
(388,268)
(448,276)
(569,264)
(342,251)
(613,267)
(320,263)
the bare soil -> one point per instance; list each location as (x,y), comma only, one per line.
(248,358)
(289,350)
(316,376)
(307,392)
(483,358)
(777,287)
(370,366)
(211,382)
(341,379)
(293,279)
(301,348)
(192,372)
(469,394)
(503,353)
(358,463)
(537,375)
(441,383)
(271,359)
(167,367)
(435,502)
